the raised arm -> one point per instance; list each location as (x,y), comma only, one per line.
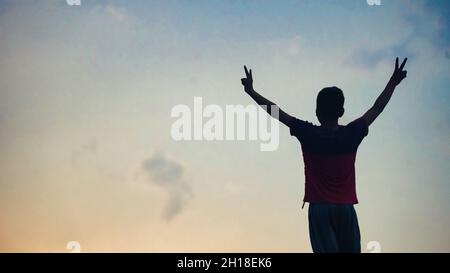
(247,82)
(381,102)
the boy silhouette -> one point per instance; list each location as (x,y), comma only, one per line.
(329,153)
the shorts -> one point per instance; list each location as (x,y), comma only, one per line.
(333,228)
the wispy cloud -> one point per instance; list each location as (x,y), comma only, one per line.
(426,24)
(116,12)
(90,148)
(369,59)
(169,175)
(429,20)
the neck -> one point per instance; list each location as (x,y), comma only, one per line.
(333,125)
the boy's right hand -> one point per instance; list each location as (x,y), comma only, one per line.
(247,82)
(399,74)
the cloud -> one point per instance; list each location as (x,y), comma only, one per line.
(89,148)
(429,20)
(369,59)
(116,12)
(169,175)
(428,28)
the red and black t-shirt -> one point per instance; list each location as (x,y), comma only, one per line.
(329,157)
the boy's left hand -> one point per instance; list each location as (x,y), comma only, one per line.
(248,81)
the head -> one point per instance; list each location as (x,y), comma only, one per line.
(330,105)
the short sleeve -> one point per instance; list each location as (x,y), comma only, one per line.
(299,128)
(359,129)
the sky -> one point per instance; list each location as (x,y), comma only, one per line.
(86,94)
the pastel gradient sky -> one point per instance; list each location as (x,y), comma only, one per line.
(85,98)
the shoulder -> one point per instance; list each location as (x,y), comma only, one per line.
(295,122)
(358,122)
(299,127)
(359,126)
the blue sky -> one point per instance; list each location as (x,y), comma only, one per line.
(85,100)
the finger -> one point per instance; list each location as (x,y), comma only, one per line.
(251,75)
(403,64)
(246,71)
(396,63)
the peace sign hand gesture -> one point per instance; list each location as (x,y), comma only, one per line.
(248,81)
(399,74)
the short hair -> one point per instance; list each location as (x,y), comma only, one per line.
(330,104)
